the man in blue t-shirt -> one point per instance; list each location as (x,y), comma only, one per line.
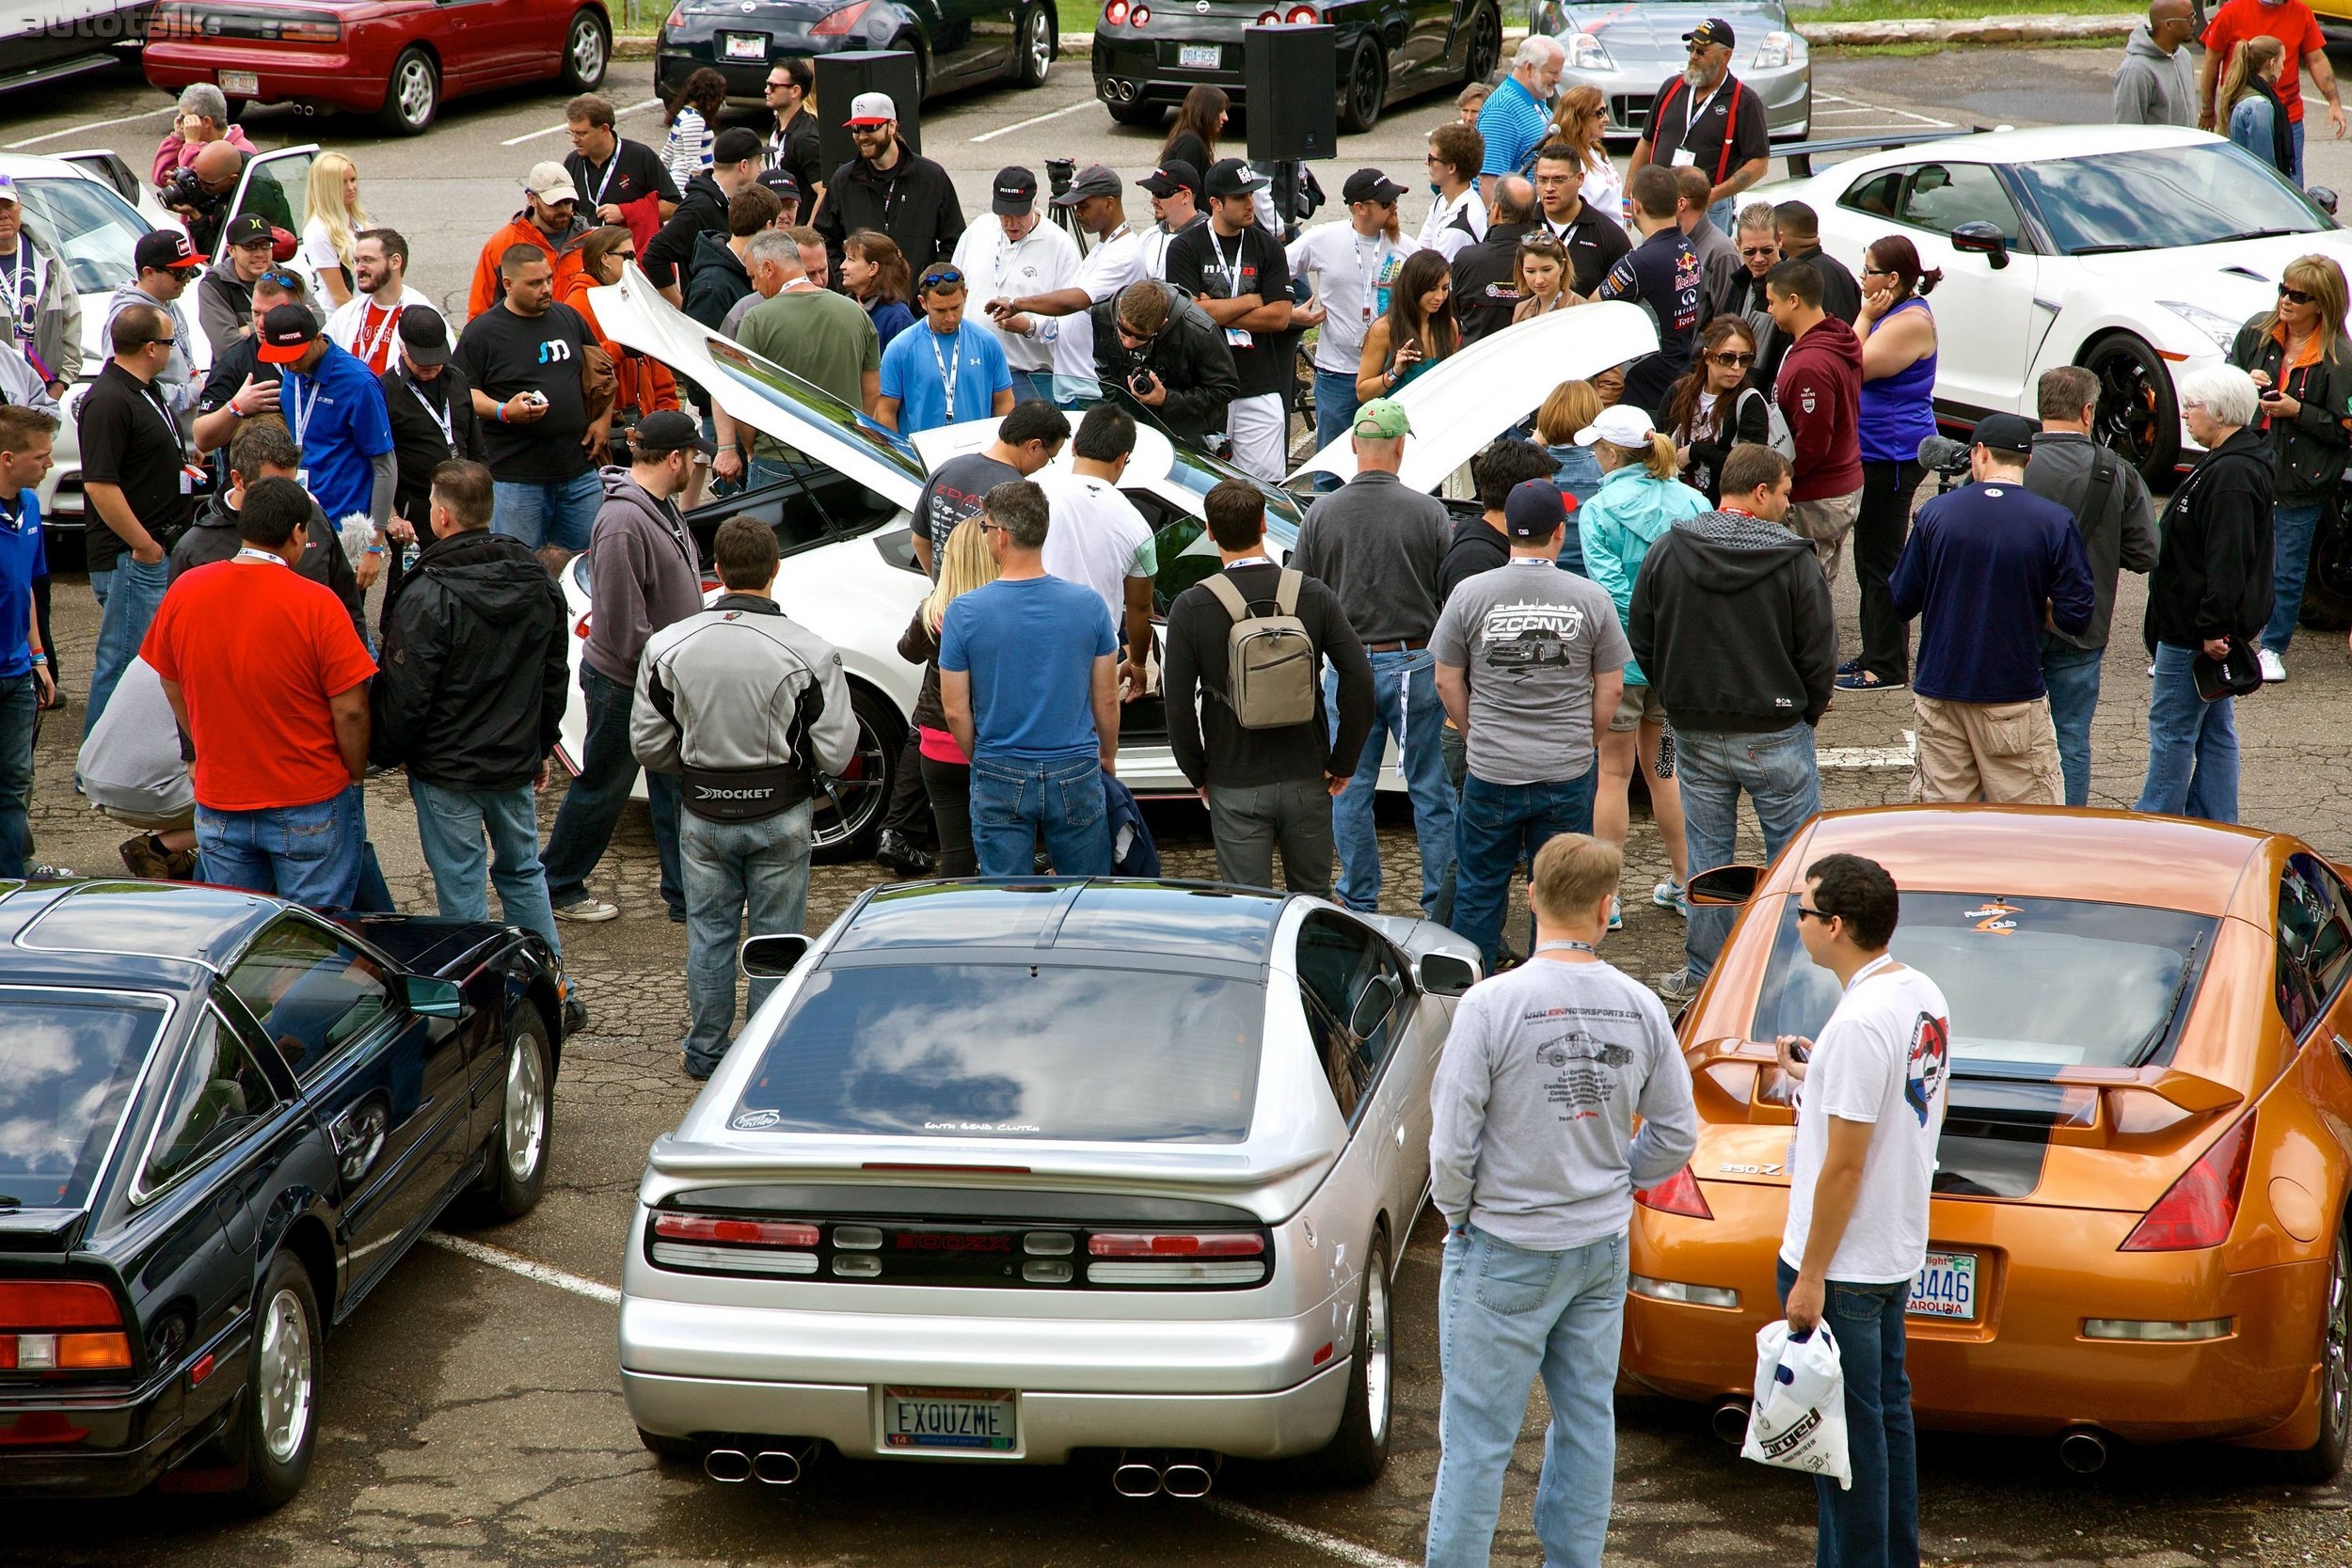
(1029,673)
(939,374)
(335,410)
(26,435)
(1516,115)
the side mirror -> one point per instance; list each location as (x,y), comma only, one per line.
(434,998)
(1979,238)
(772,958)
(1724,885)
(2322,197)
(1444,974)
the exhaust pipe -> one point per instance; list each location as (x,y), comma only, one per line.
(786,1466)
(1135,1476)
(729,1467)
(1187,1480)
(1728,1421)
(2083,1450)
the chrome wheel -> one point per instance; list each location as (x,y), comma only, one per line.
(281,1380)
(1377,1363)
(1037,48)
(584,52)
(414,90)
(2335,1386)
(526,1110)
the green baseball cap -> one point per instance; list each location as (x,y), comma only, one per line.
(1382,420)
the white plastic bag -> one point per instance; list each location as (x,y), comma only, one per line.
(1798,1421)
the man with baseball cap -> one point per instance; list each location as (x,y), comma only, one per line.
(1530,665)
(431,406)
(44,309)
(337,412)
(1174,189)
(737,156)
(165,265)
(1985,568)
(224,295)
(786,190)
(1061,316)
(1348,262)
(1238,273)
(1012,250)
(551,219)
(1707,119)
(890,187)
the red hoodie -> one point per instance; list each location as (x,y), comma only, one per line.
(1820,393)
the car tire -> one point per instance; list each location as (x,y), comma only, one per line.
(1486,46)
(1034,47)
(1358,1451)
(1364,89)
(2137,414)
(412,95)
(587,50)
(2327,588)
(2320,1463)
(516,1173)
(278,1423)
(847,831)
(908,43)
(1145,117)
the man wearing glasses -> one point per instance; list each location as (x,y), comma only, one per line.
(1707,119)
(943,373)
(1759,242)
(624,182)
(1592,238)
(792,144)
(890,187)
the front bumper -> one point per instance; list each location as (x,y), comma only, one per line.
(1788,94)
(323,78)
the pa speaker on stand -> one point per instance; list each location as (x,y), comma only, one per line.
(1289,80)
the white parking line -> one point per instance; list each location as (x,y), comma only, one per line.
(1902,756)
(557,129)
(1328,1545)
(1859,107)
(1033,120)
(93,125)
(498,1257)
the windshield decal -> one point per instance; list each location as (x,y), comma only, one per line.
(1993,917)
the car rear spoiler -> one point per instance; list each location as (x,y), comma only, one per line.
(1801,153)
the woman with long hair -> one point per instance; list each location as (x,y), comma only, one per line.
(1640,499)
(2298,357)
(874,273)
(2250,103)
(694,124)
(964,563)
(1539,274)
(1579,120)
(1716,407)
(1898,333)
(1418,330)
(1200,121)
(644,383)
(1571,406)
(331,219)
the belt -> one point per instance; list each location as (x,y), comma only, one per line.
(1397,645)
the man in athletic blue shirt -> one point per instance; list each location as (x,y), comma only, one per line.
(25,440)
(335,410)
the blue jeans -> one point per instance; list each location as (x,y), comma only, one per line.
(20,710)
(2072,675)
(1875,1523)
(558,511)
(1032,386)
(592,807)
(1014,801)
(1405,696)
(733,869)
(1506,1315)
(307,854)
(1335,414)
(450,827)
(134,592)
(2192,744)
(1723,215)
(1498,825)
(2295,135)
(2292,524)
(1784,785)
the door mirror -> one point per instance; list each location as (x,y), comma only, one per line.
(1724,885)
(1444,974)
(2322,197)
(1979,238)
(434,998)
(1373,1005)
(772,958)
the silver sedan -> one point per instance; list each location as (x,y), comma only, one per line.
(1008,1172)
(1628,51)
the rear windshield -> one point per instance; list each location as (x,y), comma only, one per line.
(2034,984)
(66,1068)
(1012,1051)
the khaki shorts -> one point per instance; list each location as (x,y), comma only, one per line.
(1824,524)
(153,822)
(2005,754)
(1639,704)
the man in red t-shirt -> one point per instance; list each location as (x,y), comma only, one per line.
(2292,23)
(269,681)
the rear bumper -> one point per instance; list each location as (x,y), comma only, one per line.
(327,77)
(679,53)
(1133,60)
(112,1445)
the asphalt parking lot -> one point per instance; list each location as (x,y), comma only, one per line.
(471,1413)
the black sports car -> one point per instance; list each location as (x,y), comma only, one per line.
(956,43)
(223,1119)
(1148,56)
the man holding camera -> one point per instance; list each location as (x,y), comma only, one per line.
(1156,342)
(200,192)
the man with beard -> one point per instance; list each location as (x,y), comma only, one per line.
(523,361)
(549,221)
(369,324)
(889,187)
(737,159)
(1707,119)
(1174,189)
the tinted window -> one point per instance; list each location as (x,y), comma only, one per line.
(1016,915)
(1877,193)
(1351,988)
(66,1068)
(1011,1051)
(2327,954)
(312,993)
(219,1093)
(2164,196)
(1942,197)
(96,230)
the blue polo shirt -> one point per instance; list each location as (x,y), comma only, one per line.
(23,556)
(1511,123)
(339,419)
(916,366)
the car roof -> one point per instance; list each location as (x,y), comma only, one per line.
(31,165)
(1164,924)
(2037,145)
(115,931)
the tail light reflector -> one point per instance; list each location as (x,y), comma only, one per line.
(57,1304)
(311,30)
(675,19)
(1301,16)
(2198,1209)
(709,1227)
(1176,1258)
(1677,1194)
(1162,1245)
(64,1353)
(1114,13)
(838,24)
(734,1246)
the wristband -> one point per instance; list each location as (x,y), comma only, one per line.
(371,550)
(502,413)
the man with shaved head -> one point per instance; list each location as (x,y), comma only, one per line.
(522,359)
(203,203)
(2155,84)
(1485,287)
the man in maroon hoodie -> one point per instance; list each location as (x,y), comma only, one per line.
(1820,393)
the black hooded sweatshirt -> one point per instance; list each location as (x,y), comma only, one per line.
(1732,622)
(2214,548)
(702,209)
(713,280)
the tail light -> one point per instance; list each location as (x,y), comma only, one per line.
(1114,13)
(1140,15)
(675,19)
(751,1246)
(836,25)
(1301,16)
(1176,1258)
(1677,1194)
(2198,1209)
(1269,19)
(61,1326)
(310,29)
(171,21)
(984,1255)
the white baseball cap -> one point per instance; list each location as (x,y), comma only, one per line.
(1622,426)
(872,108)
(551,182)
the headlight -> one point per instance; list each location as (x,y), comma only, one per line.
(1774,51)
(1587,53)
(2220,329)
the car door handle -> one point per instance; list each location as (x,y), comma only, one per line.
(1400,1134)
(358,1136)
(2344,1048)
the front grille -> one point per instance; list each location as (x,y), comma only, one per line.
(1631,110)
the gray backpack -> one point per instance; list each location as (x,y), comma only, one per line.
(1270,661)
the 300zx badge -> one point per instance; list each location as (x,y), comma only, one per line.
(1748,1170)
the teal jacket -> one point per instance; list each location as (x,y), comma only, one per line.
(1617,526)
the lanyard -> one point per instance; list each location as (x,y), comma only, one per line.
(606,184)
(1567,945)
(302,411)
(247,552)
(948,367)
(445,417)
(371,347)
(20,284)
(1694,107)
(1230,267)
(155,401)
(1885,961)
(1366,267)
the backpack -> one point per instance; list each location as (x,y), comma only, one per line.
(1270,661)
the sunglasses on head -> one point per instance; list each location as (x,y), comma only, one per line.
(1742,360)
(2295,296)
(282,279)
(942,278)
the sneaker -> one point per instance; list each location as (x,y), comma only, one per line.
(1617,915)
(687,1063)
(1862,680)
(575,1010)
(2273,668)
(588,912)
(51,873)
(677,914)
(1668,895)
(145,857)
(901,854)
(1851,666)
(1677,987)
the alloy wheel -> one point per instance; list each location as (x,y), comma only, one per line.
(1041,43)
(1376,1353)
(526,1110)
(283,1382)
(2336,1350)
(855,800)
(414,90)
(587,49)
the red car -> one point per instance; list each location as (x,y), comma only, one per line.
(395,59)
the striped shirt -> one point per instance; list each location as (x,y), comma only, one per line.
(1512,124)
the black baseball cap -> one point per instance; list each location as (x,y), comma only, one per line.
(2004,433)
(781,183)
(1711,31)
(164,250)
(1233,177)
(1534,509)
(669,431)
(424,335)
(1093,179)
(1014,192)
(735,144)
(1170,177)
(1370,185)
(247,229)
(287,331)
(2236,674)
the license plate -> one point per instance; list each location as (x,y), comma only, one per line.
(747,46)
(961,1419)
(1945,1287)
(1197,57)
(240,84)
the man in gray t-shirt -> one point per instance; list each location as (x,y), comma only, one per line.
(1529,666)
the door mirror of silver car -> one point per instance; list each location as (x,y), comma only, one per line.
(772,958)
(1979,238)
(2322,197)
(434,998)
(1444,974)
(1724,885)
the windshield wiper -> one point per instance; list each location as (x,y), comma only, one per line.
(2172,1005)
(2256,234)
(2105,249)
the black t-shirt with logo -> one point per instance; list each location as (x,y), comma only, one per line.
(635,172)
(1699,122)
(1662,276)
(1594,242)
(504,353)
(1252,262)
(128,440)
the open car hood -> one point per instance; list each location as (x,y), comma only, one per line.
(758,392)
(1459,405)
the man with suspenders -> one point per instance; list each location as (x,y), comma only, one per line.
(1707,119)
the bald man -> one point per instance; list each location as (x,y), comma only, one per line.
(202,202)
(2155,84)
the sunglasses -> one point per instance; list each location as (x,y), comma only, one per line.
(1805,913)
(282,279)
(1752,251)
(1741,360)
(2295,296)
(942,278)
(624,256)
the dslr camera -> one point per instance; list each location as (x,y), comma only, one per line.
(184,189)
